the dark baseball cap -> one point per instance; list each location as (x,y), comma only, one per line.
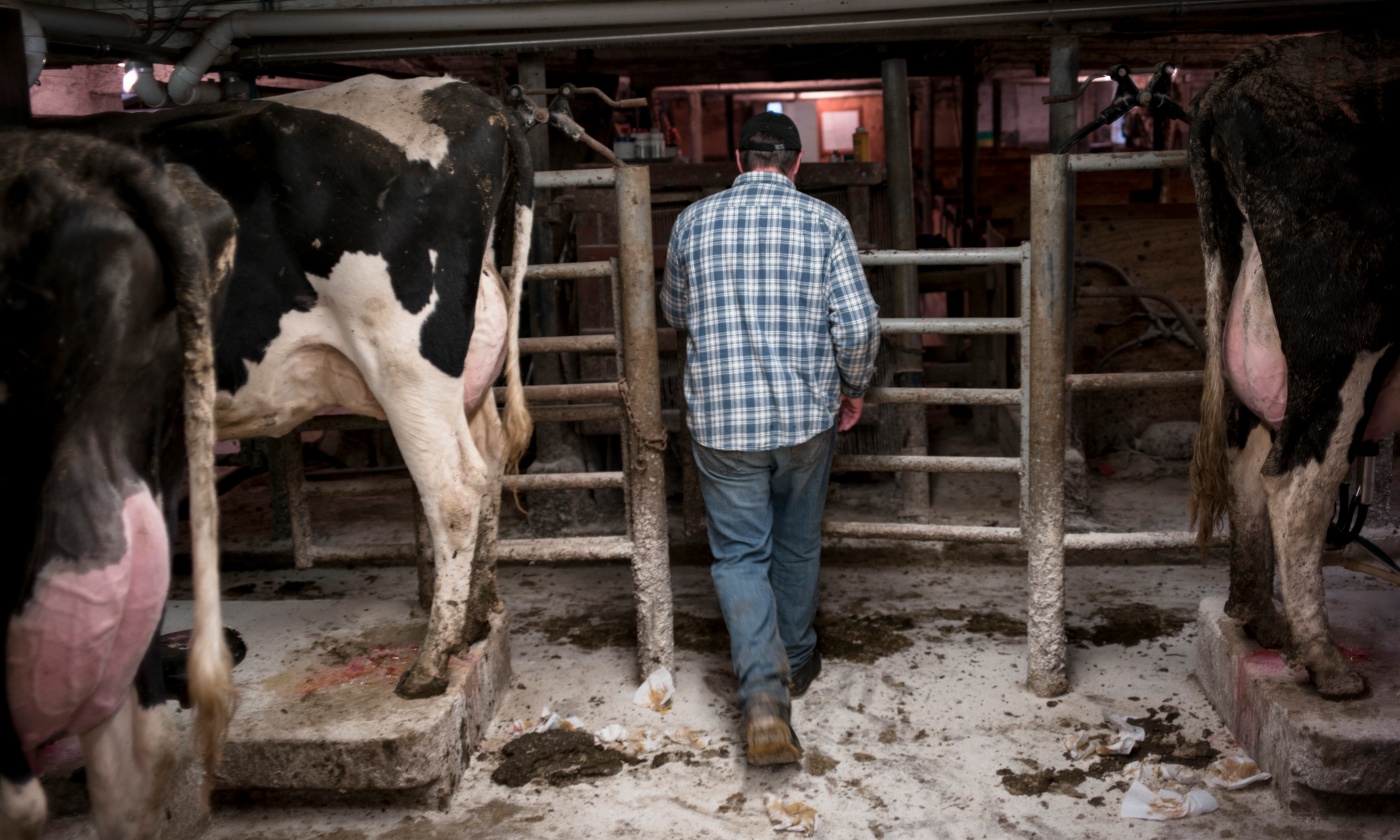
(779,125)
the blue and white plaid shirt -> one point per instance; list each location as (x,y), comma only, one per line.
(780,318)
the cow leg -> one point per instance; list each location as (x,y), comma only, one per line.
(23,806)
(130,761)
(1251,598)
(452,479)
(1302,496)
(485,599)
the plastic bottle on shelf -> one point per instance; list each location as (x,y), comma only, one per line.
(860,142)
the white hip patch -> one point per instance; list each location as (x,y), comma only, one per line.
(390,107)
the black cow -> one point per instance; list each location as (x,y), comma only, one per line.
(107,265)
(1293,158)
(365,280)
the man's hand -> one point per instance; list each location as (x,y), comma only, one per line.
(850,412)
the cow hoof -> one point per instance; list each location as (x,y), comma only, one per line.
(414,687)
(1341,685)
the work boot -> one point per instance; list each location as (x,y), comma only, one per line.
(802,677)
(768,728)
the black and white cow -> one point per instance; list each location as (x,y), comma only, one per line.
(365,279)
(107,266)
(1293,157)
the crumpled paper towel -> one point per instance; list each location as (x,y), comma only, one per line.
(1143,803)
(1234,772)
(687,737)
(632,742)
(548,720)
(1124,739)
(790,816)
(656,692)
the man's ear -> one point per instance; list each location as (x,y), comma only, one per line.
(797,164)
(737,161)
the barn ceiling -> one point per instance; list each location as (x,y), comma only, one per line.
(753,41)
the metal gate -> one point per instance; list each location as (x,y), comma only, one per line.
(1047,271)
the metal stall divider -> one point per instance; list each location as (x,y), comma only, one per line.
(634,400)
(1047,267)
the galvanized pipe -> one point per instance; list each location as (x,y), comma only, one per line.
(951,326)
(575,413)
(565,271)
(942,256)
(636,295)
(930,533)
(1125,381)
(943,396)
(579,178)
(571,548)
(1112,161)
(559,393)
(1064,81)
(569,344)
(926,463)
(1052,272)
(1140,539)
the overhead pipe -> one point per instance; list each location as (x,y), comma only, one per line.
(736,27)
(672,21)
(35,47)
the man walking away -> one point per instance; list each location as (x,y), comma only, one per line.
(782,338)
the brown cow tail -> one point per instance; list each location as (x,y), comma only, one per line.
(517,422)
(210,664)
(1210,477)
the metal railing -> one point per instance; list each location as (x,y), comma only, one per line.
(1047,273)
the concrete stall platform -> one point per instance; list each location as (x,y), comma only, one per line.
(1326,757)
(318,721)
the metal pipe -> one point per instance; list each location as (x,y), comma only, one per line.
(555,393)
(570,548)
(951,326)
(943,396)
(568,344)
(566,271)
(1051,271)
(926,463)
(943,256)
(1140,539)
(564,481)
(1125,381)
(70,21)
(1064,79)
(557,178)
(575,413)
(1110,161)
(911,531)
(636,294)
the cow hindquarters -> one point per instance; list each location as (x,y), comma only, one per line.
(1301,498)
(1251,598)
(130,760)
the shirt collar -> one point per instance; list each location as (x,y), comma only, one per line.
(764,177)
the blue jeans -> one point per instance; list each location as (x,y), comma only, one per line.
(764,514)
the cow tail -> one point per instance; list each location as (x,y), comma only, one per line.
(210,665)
(1210,468)
(517,421)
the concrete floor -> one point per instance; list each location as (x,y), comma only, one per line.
(919,726)
(923,733)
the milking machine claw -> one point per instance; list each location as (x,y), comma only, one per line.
(1127,97)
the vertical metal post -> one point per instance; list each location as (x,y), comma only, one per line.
(697,127)
(651,571)
(909,367)
(14,71)
(287,475)
(971,85)
(1064,80)
(1043,522)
